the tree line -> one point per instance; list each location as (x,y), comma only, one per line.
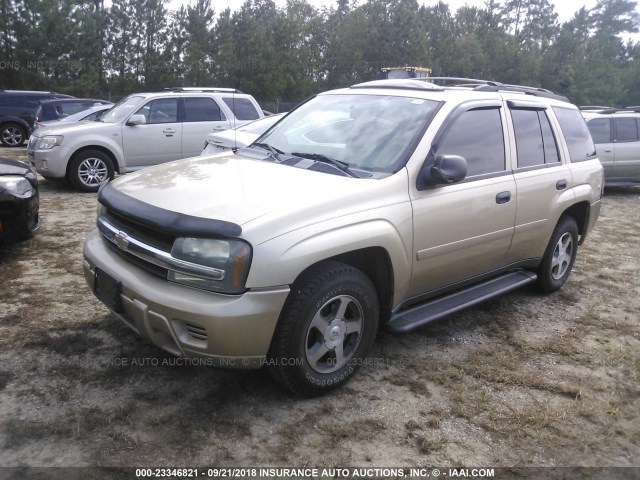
(289,52)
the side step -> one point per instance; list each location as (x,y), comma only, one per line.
(424,313)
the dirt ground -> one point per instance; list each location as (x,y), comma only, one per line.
(522,380)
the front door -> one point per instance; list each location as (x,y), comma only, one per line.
(157,141)
(465,229)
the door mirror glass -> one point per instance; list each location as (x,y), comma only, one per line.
(137,120)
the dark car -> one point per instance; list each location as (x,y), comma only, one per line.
(17,109)
(19,201)
(62,107)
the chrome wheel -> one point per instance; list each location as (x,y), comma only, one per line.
(92,171)
(334,334)
(12,136)
(562,256)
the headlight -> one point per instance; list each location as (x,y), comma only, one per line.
(226,263)
(16,185)
(47,143)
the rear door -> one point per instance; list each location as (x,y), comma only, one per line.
(542,180)
(201,116)
(159,140)
(465,229)
(601,130)
(627,154)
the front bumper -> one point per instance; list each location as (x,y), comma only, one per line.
(232,331)
(19,217)
(49,163)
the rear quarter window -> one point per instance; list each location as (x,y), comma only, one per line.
(242,108)
(576,134)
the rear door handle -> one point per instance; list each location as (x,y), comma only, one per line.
(503,197)
(561,184)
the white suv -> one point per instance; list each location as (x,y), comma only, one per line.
(143,129)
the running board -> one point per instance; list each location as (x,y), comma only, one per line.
(424,313)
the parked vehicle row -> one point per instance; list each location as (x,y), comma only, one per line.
(141,130)
(21,109)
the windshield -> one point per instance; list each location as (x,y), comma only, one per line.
(375,133)
(121,109)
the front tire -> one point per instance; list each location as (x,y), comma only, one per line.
(12,135)
(89,169)
(326,328)
(560,255)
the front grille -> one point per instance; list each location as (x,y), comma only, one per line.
(141,232)
(146,266)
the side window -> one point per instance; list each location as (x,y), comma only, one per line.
(202,109)
(477,136)
(576,134)
(600,129)
(163,110)
(550,147)
(242,108)
(529,145)
(626,130)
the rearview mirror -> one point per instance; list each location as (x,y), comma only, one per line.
(447,169)
(137,120)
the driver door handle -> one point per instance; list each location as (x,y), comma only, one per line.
(503,197)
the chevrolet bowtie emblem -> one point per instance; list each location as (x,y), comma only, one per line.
(121,240)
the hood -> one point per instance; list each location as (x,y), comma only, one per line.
(64,128)
(248,192)
(8,166)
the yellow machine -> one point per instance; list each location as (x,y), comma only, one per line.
(405,72)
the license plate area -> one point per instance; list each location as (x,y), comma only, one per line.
(108,289)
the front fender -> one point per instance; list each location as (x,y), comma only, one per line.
(114,145)
(280,260)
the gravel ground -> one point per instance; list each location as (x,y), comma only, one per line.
(522,380)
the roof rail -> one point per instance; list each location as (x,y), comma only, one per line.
(400,83)
(595,107)
(203,89)
(492,86)
(610,110)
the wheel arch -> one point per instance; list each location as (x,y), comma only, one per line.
(580,212)
(376,264)
(99,148)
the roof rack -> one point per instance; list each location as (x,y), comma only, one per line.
(400,83)
(594,107)
(203,89)
(492,86)
(610,110)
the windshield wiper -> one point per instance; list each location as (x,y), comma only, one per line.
(274,152)
(339,164)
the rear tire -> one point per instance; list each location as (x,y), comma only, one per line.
(560,255)
(89,169)
(326,328)
(12,135)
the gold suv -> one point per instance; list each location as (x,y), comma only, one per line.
(392,202)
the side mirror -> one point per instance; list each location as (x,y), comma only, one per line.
(137,120)
(447,169)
